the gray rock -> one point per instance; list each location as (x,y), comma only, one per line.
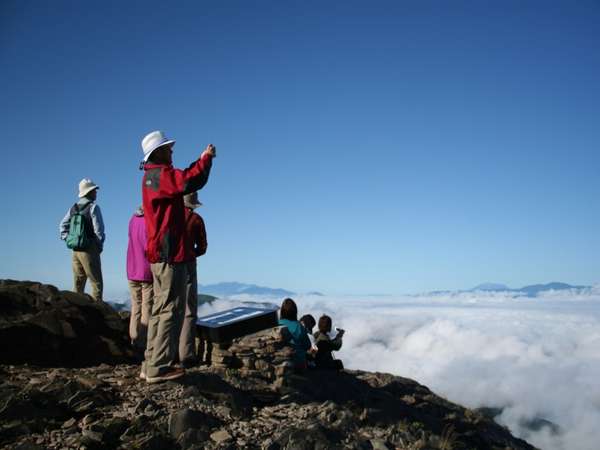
(146,406)
(27,446)
(311,438)
(186,419)
(58,328)
(151,442)
(378,444)
(192,439)
(71,423)
(191,391)
(93,434)
(221,436)
(140,425)
(33,406)
(270,445)
(112,428)
(262,365)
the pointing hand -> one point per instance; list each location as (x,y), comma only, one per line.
(211,150)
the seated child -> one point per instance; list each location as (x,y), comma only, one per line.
(309,322)
(296,334)
(325,345)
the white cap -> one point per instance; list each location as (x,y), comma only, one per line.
(152,141)
(86,186)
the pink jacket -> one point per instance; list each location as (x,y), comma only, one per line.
(138,267)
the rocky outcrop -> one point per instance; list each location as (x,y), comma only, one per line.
(249,398)
(44,326)
(260,356)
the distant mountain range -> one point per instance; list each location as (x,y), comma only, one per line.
(491,287)
(531,291)
(211,292)
(232,288)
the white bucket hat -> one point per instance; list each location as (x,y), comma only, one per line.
(152,141)
(86,186)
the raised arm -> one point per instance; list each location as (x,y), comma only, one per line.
(336,343)
(326,345)
(177,182)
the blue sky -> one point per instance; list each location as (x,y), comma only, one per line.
(363,147)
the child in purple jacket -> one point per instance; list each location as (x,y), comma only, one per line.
(140,280)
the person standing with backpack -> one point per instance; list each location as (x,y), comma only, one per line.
(163,188)
(83,230)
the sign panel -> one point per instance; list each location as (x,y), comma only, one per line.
(226,325)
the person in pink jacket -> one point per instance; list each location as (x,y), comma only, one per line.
(140,280)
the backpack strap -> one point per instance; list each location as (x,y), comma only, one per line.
(81,210)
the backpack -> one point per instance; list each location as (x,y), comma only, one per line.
(78,237)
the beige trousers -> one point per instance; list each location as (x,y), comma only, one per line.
(187,339)
(141,305)
(164,326)
(86,264)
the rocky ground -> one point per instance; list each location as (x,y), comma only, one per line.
(108,407)
(248,398)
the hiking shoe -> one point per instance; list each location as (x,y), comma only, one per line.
(172,374)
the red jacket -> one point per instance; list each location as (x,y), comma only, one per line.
(163,188)
(195,232)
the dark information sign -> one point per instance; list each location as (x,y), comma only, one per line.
(236,322)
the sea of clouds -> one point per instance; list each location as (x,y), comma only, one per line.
(536,358)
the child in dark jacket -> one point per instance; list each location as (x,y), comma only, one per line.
(309,322)
(325,345)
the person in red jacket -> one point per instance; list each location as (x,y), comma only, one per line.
(195,233)
(163,188)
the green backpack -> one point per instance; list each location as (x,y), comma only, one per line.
(78,237)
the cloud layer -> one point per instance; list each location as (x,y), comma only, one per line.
(536,358)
